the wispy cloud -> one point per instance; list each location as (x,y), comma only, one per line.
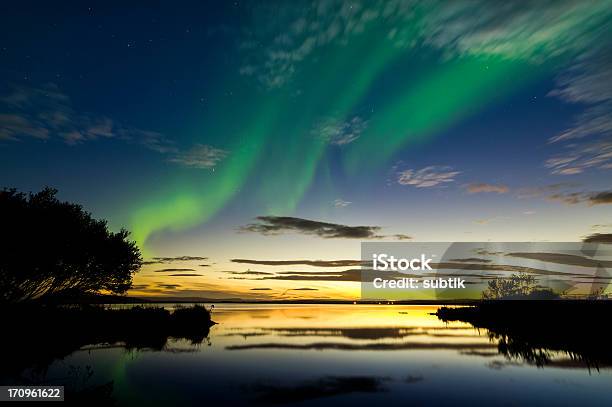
(561,258)
(471,260)
(534,31)
(587,82)
(46,112)
(481,269)
(341,275)
(602,226)
(400,236)
(567,193)
(578,157)
(340,133)
(250,272)
(515,29)
(340,203)
(199,156)
(540,191)
(427,177)
(185,275)
(314,263)
(170,270)
(157,260)
(483,187)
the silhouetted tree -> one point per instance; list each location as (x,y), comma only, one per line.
(517,286)
(52,247)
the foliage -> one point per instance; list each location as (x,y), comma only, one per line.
(517,286)
(51,247)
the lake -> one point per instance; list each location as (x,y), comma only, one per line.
(339,355)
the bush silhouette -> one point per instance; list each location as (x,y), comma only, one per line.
(52,248)
(517,286)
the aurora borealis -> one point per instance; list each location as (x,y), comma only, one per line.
(429,120)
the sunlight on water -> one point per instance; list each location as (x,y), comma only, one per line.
(334,355)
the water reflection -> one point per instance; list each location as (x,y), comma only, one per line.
(337,355)
(552,333)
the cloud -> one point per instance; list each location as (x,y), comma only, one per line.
(274,225)
(260,289)
(249,272)
(566,259)
(536,192)
(593,121)
(471,260)
(339,203)
(400,236)
(355,275)
(171,270)
(305,289)
(157,260)
(185,275)
(533,32)
(199,156)
(294,34)
(314,263)
(168,286)
(579,157)
(591,198)
(343,275)
(515,30)
(13,126)
(587,82)
(571,198)
(340,133)
(602,226)
(598,238)
(46,112)
(482,187)
(582,83)
(567,193)
(599,198)
(427,177)
(153,141)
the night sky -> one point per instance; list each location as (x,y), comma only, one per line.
(294,130)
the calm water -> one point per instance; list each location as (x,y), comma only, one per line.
(333,355)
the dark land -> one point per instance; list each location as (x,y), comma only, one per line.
(532,330)
(42,333)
